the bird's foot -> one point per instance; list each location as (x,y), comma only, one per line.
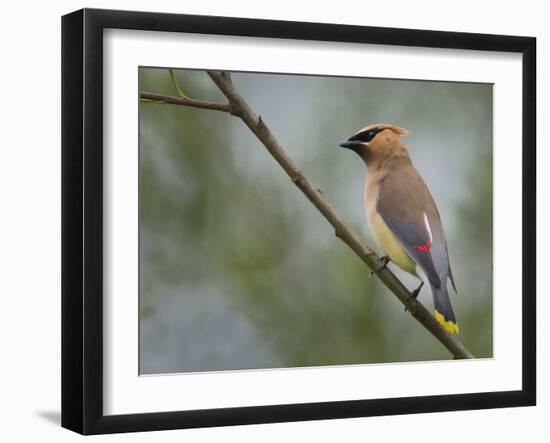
(414,294)
(385,260)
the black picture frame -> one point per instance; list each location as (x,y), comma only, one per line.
(82,220)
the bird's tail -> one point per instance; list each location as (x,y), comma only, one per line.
(443,309)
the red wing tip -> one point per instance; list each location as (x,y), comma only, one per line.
(424,248)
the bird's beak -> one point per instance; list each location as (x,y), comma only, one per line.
(354,144)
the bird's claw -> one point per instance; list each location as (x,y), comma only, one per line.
(385,260)
(414,294)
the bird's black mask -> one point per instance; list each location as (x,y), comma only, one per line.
(359,142)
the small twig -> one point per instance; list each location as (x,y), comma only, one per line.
(156,102)
(186,101)
(176,84)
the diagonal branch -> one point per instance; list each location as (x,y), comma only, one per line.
(239,107)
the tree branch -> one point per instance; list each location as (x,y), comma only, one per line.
(185,101)
(239,107)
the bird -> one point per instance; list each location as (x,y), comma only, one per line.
(402,214)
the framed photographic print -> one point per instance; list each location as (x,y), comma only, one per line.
(270,221)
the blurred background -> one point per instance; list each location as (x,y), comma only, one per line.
(238,270)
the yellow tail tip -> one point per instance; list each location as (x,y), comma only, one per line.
(447,324)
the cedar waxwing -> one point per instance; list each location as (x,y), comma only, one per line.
(402,214)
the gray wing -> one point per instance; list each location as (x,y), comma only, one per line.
(407,207)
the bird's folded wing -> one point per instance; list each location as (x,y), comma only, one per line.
(403,209)
(417,245)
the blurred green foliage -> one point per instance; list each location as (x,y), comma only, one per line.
(237,268)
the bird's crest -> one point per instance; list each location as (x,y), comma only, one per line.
(396,129)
